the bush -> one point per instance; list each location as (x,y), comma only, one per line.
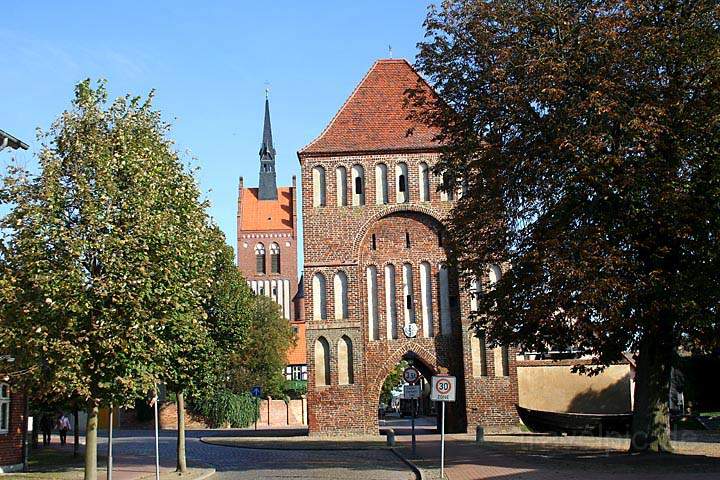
(294,389)
(227,408)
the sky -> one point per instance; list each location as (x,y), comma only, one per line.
(209,63)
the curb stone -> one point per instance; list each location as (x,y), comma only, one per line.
(209,441)
(419,473)
(208,474)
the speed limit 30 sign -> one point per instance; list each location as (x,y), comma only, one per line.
(443,388)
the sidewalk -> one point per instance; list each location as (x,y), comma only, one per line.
(125,467)
(548,458)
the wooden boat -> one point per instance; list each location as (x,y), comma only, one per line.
(575,423)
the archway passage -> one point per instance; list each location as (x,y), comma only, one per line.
(396,412)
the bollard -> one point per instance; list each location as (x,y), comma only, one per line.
(479,435)
(390,438)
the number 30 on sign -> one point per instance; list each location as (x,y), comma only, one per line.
(443,388)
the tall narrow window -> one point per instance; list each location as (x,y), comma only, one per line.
(426,297)
(494,274)
(381,184)
(274,258)
(501,361)
(373,242)
(4,408)
(408,294)
(407,239)
(424,172)
(286,298)
(318,177)
(345,361)
(474,294)
(322,362)
(319,296)
(505,353)
(260,258)
(373,330)
(341,185)
(358,174)
(478,350)
(340,287)
(445,319)
(390,302)
(447,193)
(401,176)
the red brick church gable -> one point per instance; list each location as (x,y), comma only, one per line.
(374,118)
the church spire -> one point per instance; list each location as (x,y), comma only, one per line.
(267,188)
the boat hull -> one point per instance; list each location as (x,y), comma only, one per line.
(575,423)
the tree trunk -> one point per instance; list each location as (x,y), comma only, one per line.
(651,419)
(91,443)
(181,461)
(76,433)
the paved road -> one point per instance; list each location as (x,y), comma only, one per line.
(234,463)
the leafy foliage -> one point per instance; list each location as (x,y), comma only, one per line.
(260,359)
(392,381)
(585,135)
(101,245)
(109,255)
(294,389)
(225,408)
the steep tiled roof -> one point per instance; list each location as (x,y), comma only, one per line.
(266,215)
(374,118)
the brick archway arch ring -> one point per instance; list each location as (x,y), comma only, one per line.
(394,358)
(362,232)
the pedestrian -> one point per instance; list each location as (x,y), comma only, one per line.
(46,426)
(63,427)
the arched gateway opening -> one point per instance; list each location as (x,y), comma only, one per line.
(395,411)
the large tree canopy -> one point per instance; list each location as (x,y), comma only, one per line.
(260,360)
(106,251)
(586,137)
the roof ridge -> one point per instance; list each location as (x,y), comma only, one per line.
(352,95)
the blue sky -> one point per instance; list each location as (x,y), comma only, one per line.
(209,63)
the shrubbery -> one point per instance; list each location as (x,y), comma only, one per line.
(294,389)
(227,409)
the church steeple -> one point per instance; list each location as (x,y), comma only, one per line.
(267,188)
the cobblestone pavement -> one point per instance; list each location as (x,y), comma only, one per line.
(552,458)
(234,463)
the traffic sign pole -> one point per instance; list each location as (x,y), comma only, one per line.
(443,390)
(442,442)
(413,425)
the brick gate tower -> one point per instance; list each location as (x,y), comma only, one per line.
(376,283)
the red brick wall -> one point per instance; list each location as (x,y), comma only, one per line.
(282,414)
(167,416)
(338,238)
(11,442)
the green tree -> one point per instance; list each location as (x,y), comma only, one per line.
(392,381)
(100,247)
(260,359)
(585,135)
(201,341)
